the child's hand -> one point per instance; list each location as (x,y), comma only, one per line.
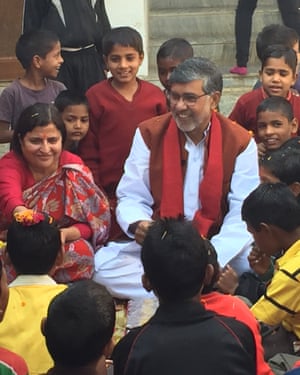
(142,230)
(259,261)
(261,149)
(228,280)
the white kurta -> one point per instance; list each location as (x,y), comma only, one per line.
(117,265)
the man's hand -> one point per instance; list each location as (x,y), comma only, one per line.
(141,231)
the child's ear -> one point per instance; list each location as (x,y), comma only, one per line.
(60,257)
(58,261)
(266,228)
(105,61)
(295,187)
(108,349)
(36,61)
(260,75)
(295,125)
(141,57)
(43,326)
(6,258)
(146,283)
(209,274)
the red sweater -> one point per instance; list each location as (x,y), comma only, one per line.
(234,307)
(113,121)
(244,111)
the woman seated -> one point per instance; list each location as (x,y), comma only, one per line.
(38,174)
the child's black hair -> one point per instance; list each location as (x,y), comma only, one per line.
(275,34)
(67,98)
(276,104)
(80,323)
(174,257)
(33,248)
(278,51)
(34,42)
(175,48)
(273,204)
(124,36)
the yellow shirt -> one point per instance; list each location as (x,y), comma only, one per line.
(281,302)
(20,332)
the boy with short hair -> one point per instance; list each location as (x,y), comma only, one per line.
(39,54)
(276,123)
(117,106)
(74,110)
(34,249)
(272,215)
(277,34)
(182,337)
(78,329)
(170,54)
(278,74)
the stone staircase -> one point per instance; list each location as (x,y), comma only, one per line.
(209,26)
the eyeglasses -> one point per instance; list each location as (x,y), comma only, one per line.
(188,99)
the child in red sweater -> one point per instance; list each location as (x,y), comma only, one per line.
(278,74)
(117,106)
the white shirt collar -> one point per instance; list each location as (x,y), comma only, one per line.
(22,280)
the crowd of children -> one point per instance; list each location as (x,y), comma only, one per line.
(60,329)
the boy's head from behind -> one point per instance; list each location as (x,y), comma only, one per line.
(271,213)
(123,53)
(79,324)
(278,70)
(33,243)
(283,165)
(174,257)
(275,122)
(74,110)
(35,43)
(276,34)
(170,54)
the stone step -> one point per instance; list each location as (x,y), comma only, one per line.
(196,4)
(209,27)
(206,30)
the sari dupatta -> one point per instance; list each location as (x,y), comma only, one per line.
(71,196)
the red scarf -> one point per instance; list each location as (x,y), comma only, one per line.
(210,189)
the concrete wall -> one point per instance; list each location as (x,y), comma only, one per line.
(135,14)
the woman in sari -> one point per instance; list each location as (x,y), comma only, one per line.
(38,174)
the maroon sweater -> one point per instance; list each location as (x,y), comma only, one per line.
(244,111)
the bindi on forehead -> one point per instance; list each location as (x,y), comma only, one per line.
(43,135)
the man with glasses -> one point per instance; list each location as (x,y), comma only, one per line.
(192,162)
